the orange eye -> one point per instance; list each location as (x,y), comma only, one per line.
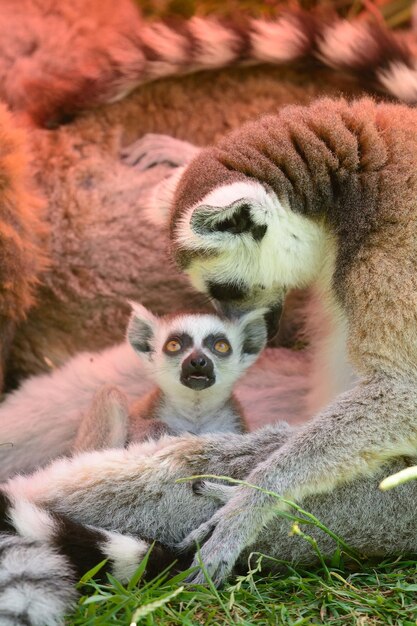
(222,346)
(173,345)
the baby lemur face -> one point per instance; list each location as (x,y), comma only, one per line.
(196,351)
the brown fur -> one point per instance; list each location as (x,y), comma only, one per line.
(99,260)
(57,59)
(102,252)
(143,420)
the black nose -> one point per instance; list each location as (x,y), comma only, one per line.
(197,371)
(198,362)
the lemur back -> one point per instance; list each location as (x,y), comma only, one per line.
(194,361)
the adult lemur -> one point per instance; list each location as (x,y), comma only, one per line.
(194,360)
(323,195)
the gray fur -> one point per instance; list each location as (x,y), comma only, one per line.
(37,585)
(135,491)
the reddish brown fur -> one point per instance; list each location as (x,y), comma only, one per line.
(22,234)
(57,59)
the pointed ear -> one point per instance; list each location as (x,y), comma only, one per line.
(141,329)
(235,219)
(254,332)
(158,200)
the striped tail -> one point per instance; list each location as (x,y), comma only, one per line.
(36,583)
(382,59)
(43,555)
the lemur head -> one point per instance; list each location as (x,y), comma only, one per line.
(194,350)
(235,238)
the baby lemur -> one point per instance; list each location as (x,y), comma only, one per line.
(194,361)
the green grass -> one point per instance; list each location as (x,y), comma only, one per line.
(386,595)
(332,595)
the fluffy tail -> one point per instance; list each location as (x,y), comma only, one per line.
(37,583)
(142,52)
(43,555)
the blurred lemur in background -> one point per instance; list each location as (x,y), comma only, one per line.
(194,361)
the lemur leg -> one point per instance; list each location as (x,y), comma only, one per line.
(152,149)
(355,435)
(105,425)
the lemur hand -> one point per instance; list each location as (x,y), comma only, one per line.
(232,528)
(153,149)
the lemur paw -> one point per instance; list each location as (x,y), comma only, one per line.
(216,491)
(216,557)
(226,534)
(153,149)
(199,535)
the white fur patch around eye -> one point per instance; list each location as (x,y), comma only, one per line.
(290,253)
(225,195)
(197,326)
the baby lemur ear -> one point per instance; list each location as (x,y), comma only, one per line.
(234,219)
(254,332)
(141,328)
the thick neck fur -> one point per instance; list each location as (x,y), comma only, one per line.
(191,411)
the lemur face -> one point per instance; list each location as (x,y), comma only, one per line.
(243,247)
(196,351)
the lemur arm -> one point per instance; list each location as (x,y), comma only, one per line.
(356,434)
